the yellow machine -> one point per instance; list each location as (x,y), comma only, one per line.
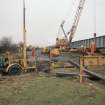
(45,51)
(55,52)
(25,62)
(62,44)
(65,42)
(14,64)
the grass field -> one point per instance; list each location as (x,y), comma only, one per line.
(40,90)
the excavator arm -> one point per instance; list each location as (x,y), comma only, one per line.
(62,24)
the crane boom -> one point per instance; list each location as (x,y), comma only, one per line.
(63,29)
(76,21)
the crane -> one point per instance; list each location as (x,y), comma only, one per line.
(62,43)
(66,41)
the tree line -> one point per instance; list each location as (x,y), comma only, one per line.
(6,44)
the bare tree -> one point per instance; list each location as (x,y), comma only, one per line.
(6,44)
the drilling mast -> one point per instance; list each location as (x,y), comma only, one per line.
(24,36)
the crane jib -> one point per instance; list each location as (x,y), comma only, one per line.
(76,20)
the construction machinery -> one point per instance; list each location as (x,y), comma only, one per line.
(14,64)
(62,44)
(69,36)
(54,52)
(45,50)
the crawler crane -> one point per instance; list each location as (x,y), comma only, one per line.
(69,36)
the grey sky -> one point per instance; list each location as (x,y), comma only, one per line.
(43,18)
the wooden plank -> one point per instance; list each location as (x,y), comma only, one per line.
(90,73)
(93,60)
(63,74)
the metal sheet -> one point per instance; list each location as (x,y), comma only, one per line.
(100,42)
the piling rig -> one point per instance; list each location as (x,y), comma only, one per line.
(21,61)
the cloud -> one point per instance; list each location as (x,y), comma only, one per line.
(43,18)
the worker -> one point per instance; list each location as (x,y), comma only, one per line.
(33,53)
(83,49)
(92,47)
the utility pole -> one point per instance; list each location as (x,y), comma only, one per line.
(94,21)
(24,36)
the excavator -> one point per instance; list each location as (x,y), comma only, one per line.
(65,43)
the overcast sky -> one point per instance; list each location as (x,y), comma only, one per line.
(43,18)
